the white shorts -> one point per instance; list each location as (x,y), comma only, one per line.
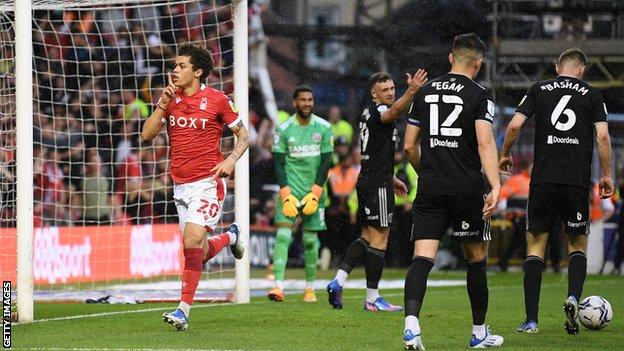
(200,202)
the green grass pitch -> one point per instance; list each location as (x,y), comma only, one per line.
(293,325)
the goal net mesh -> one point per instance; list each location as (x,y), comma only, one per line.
(105,222)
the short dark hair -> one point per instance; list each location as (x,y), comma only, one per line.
(573,54)
(201,58)
(378,77)
(469,41)
(301,89)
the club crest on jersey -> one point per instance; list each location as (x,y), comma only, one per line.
(203,103)
(316,137)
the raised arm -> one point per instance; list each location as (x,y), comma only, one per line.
(157,119)
(603,142)
(489,157)
(400,106)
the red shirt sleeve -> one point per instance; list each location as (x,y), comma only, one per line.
(227,111)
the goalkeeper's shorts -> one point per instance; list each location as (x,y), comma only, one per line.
(200,202)
(314,222)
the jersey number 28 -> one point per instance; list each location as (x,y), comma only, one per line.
(444,129)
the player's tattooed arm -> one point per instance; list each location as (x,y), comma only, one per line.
(225,168)
(242,142)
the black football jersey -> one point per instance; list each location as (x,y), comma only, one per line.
(446,110)
(377,144)
(565,111)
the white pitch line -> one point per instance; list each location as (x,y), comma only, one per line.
(143,349)
(102,314)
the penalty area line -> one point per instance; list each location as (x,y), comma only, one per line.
(104,314)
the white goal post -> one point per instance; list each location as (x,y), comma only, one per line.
(26,202)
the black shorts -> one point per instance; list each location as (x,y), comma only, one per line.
(550,204)
(375,204)
(432,214)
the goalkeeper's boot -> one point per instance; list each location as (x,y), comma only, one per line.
(334,290)
(412,341)
(237,247)
(529,327)
(571,309)
(276,294)
(176,318)
(490,340)
(381,304)
(309,295)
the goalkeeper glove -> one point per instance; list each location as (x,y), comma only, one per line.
(310,202)
(289,202)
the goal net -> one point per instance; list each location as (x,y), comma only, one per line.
(104,218)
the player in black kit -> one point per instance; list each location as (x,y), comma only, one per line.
(566,112)
(449,139)
(376,187)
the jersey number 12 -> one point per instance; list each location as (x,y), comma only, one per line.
(444,129)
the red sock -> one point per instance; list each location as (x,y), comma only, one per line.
(215,245)
(191,273)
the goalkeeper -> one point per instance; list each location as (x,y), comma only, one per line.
(302,150)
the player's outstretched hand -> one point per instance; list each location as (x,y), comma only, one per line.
(491,203)
(417,81)
(400,189)
(168,94)
(223,169)
(606,187)
(505,165)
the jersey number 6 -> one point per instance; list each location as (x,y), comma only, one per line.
(434,115)
(559,110)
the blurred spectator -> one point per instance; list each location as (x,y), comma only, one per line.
(340,127)
(400,250)
(514,197)
(134,107)
(342,178)
(95,191)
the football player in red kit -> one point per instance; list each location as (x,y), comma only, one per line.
(194,115)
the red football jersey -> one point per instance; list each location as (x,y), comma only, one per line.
(195,126)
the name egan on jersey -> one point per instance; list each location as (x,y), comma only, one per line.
(188,122)
(565,85)
(447,86)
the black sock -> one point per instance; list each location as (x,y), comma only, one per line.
(533,266)
(476,283)
(577,269)
(416,284)
(374,266)
(355,254)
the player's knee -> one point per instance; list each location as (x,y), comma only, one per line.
(283,239)
(309,242)
(475,253)
(577,243)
